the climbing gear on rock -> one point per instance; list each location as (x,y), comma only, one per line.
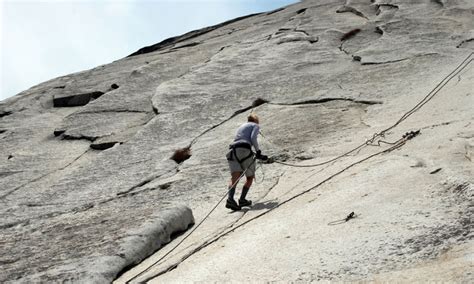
(342,221)
(350,216)
(409,135)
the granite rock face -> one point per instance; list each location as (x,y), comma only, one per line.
(88,189)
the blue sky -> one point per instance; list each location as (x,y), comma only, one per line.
(41,40)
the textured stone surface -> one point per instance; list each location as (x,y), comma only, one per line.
(88,188)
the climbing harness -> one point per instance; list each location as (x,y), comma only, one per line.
(233,153)
(394,145)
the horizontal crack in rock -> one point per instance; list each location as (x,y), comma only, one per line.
(392,61)
(103,145)
(392,6)
(301,11)
(79,137)
(325,100)
(348,9)
(112,111)
(75,100)
(298,38)
(350,34)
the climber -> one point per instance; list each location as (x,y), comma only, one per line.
(241,158)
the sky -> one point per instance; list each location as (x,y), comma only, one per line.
(45,39)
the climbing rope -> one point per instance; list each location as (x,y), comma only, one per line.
(394,145)
(381,134)
(397,145)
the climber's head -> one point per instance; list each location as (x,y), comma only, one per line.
(252,118)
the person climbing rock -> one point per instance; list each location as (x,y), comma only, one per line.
(241,158)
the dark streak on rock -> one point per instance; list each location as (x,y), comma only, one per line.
(76,100)
(103,146)
(5,174)
(439,2)
(435,171)
(59,132)
(325,100)
(348,9)
(80,137)
(258,102)
(296,39)
(5,113)
(181,155)
(393,6)
(193,34)
(282,30)
(113,111)
(165,185)
(350,34)
(9,261)
(3,131)
(384,62)
(379,30)
(301,11)
(397,60)
(463,42)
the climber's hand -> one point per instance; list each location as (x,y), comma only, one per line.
(260,156)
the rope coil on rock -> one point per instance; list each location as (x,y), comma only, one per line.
(381,134)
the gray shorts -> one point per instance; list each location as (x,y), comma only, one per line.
(234,164)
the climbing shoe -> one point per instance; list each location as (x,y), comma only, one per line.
(232,205)
(244,202)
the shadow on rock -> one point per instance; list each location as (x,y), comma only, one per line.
(264,205)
